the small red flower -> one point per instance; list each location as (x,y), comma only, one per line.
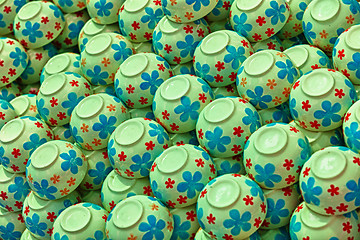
(306,105)
(333,190)
(170,183)
(260,20)
(211,219)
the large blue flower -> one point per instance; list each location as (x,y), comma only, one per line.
(34,142)
(122,51)
(310,192)
(354,193)
(57,237)
(226,167)
(306,149)
(309,35)
(276,12)
(71,103)
(352,91)
(241,26)
(282,114)
(216,140)
(6,95)
(198,3)
(287,69)
(3,159)
(255,189)
(252,119)
(294,228)
(63,3)
(74,133)
(156,41)
(238,223)
(202,72)
(235,57)
(353,5)
(187,109)
(153,17)
(154,187)
(275,211)
(329,113)
(293,112)
(19,57)
(99,235)
(71,161)
(103,8)
(299,15)
(142,164)
(353,136)
(159,132)
(111,152)
(57,12)
(8,233)
(181,229)
(355,64)
(20,188)
(97,77)
(105,126)
(191,184)
(266,174)
(32,31)
(152,228)
(99,173)
(19,4)
(35,226)
(43,111)
(29,70)
(187,47)
(75,29)
(205,87)
(5,105)
(257,97)
(324,59)
(151,82)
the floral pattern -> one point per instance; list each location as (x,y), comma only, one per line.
(20,188)
(153,228)
(329,113)
(241,26)
(32,30)
(252,119)
(354,194)
(103,8)
(238,222)
(151,82)
(97,76)
(122,51)
(355,64)
(187,47)
(353,136)
(266,175)
(202,72)
(257,98)
(105,127)
(187,109)
(20,57)
(35,226)
(288,70)
(34,143)
(71,103)
(235,56)
(142,164)
(152,17)
(158,132)
(216,140)
(8,232)
(198,3)
(71,161)
(192,184)
(276,211)
(310,192)
(276,12)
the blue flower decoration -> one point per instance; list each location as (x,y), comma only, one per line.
(225,168)
(75,29)
(152,17)
(122,52)
(306,149)
(19,4)
(97,77)
(257,97)
(153,229)
(216,140)
(111,152)
(287,69)
(309,35)
(6,95)
(99,235)
(240,24)
(353,5)
(352,91)
(34,143)
(35,226)
(2,23)
(99,173)
(252,119)
(300,14)
(105,127)
(28,72)
(156,41)
(310,192)
(159,132)
(324,60)
(19,57)
(294,228)
(329,113)
(74,133)
(276,12)
(187,109)
(275,211)
(151,82)
(103,8)
(154,187)
(202,72)
(43,111)
(191,184)
(3,159)
(57,12)
(198,3)
(255,189)
(187,47)
(63,3)
(354,193)
(71,161)
(32,31)
(8,233)
(238,223)
(180,229)
(266,174)
(282,114)
(20,188)
(353,136)
(71,103)
(292,106)
(142,164)
(355,64)
(235,56)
